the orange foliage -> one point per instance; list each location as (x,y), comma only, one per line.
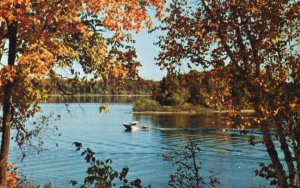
(49,30)
(58,34)
(47,36)
(12,176)
(251,49)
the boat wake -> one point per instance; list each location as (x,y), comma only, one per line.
(211,130)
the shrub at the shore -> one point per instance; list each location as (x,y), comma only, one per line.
(150,105)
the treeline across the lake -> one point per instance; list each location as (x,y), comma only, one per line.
(194,91)
(87,91)
(197,91)
(138,86)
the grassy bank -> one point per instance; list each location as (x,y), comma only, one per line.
(101,95)
(150,106)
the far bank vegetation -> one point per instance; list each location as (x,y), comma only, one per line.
(192,92)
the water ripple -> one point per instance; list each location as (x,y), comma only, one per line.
(222,149)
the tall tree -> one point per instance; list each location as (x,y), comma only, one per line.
(44,37)
(254,43)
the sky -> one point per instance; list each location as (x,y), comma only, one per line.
(146,53)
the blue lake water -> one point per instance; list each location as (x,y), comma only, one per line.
(226,152)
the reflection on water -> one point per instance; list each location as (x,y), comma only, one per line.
(93,99)
(227,152)
(212,122)
(184,120)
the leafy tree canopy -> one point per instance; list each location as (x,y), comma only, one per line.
(254,43)
(41,37)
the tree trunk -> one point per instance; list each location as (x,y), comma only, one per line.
(287,154)
(295,136)
(282,180)
(7,107)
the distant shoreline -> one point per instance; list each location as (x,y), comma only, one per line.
(191,112)
(102,95)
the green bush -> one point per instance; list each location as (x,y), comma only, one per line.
(187,107)
(146,105)
(176,99)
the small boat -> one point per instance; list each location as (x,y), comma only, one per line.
(134,125)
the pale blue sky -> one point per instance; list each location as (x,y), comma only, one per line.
(146,52)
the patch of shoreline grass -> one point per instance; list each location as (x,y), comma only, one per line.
(150,105)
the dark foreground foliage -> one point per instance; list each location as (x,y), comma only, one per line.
(100,174)
(188,167)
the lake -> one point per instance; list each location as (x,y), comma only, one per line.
(226,152)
